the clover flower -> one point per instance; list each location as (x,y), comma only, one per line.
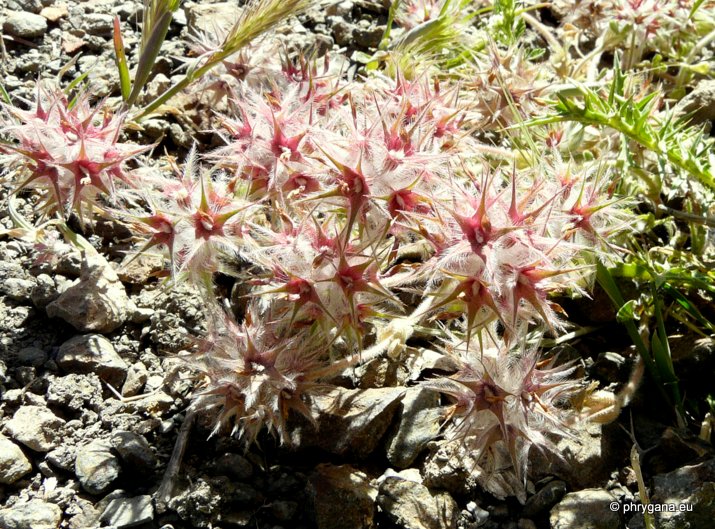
(254,374)
(505,401)
(195,216)
(68,150)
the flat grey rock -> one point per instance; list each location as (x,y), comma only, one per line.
(350,422)
(419,423)
(134,451)
(97,303)
(128,512)
(408,503)
(341,497)
(97,24)
(93,353)
(586,509)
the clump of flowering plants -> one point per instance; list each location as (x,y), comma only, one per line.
(341,180)
(356,215)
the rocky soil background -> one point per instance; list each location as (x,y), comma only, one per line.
(93,392)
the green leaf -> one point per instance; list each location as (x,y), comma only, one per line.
(535,54)
(688,306)
(148,56)
(121,60)
(663,359)
(4,95)
(632,271)
(605,279)
(617,83)
(66,68)
(696,6)
(385,40)
(626,312)
(77,80)
(670,141)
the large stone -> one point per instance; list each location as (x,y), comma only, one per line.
(341,497)
(690,488)
(204,502)
(36,427)
(548,496)
(141,268)
(17,289)
(93,353)
(208,18)
(234,466)
(419,423)
(581,461)
(62,457)
(97,24)
(134,450)
(342,31)
(31,356)
(458,469)
(45,291)
(409,504)
(350,422)
(137,376)
(25,25)
(13,462)
(96,467)
(53,13)
(34,514)
(586,509)
(31,6)
(128,512)
(369,37)
(97,303)
(698,104)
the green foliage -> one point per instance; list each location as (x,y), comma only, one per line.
(4,95)
(155,25)
(657,356)
(507,25)
(444,41)
(636,117)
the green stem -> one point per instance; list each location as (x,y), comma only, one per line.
(588,117)
(178,87)
(605,279)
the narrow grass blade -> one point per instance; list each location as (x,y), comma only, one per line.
(4,95)
(121,60)
(605,279)
(663,359)
(257,18)
(149,53)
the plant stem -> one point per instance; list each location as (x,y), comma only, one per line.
(163,495)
